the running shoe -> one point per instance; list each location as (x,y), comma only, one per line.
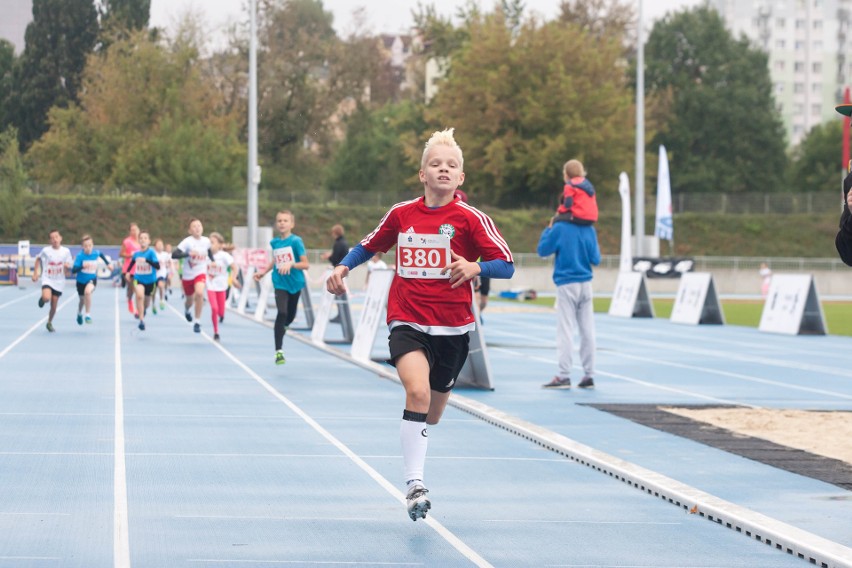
(196,328)
(141,325)
(215,337)
(88,319)
(558,383)
(221,319)
(50,327)
(79,319)
(162,305)
(154,308)
(587,383)
(279,358)
(130,307)
(418,503)
(188,316)
(41,302)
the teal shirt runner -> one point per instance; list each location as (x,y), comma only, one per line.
(290,249)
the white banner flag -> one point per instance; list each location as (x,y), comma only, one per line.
(626,261)
(664,227)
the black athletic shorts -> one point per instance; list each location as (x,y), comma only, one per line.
(446,353)
(81,288)
(149,288)
(54,293)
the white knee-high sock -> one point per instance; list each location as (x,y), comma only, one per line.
(414,439)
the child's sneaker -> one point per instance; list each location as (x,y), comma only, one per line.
(417,502)
(41,302)
(279,358)
(162,305)
(197,327)
(215,337)
(88,319)
(558,383)
(154,308)
(79,319)
(141,325)
(188,316)
(130,307)
(50,327)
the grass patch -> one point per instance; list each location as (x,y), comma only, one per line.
(838,315)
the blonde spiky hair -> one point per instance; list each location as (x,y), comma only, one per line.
(442,138)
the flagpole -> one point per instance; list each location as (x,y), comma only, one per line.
(639,178)
(253,169)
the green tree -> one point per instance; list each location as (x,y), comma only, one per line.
(13,180)
(815,163)
(125,14)
(49,71)
(7,66)
(373,156)
(148,121)
(723,133)
(524,103)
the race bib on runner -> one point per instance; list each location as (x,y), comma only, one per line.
(422,256)
(282,256)
(142,266)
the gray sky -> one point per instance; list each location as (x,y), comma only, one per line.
(381,15)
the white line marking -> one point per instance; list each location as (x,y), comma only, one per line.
(56,558)
(121,539)
(30,330)
(537,521)
(22,298)
(4,513)
(305,562)
(447,535)
(635,381)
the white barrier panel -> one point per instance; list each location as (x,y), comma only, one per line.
(375,303)
(263,297)
(630,297)
(477,370)
(248,282)
(321,317)
(697,301)
(792,306)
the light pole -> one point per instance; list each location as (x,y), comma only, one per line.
(639,180)
(253,168)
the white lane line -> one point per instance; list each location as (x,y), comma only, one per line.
(120,536)
(636,381)
(304,562)
(52,558)
(7,514)
(540,521)
(445,533)
(21,299)
(779,384)
(32,329)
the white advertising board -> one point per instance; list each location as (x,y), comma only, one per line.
(697,301)
(375,304)
(792,306)
(630,297)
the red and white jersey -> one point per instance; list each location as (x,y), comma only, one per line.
(53,264)
(217,271)
(429,303)
(196,263)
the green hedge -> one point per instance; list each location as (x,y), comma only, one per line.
(107,218)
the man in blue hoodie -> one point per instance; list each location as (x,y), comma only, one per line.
(576,249)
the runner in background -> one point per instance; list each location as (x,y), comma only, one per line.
(51,264)
(129,245)
(288,266)
(164,274)
(195,250)
(218,276)
(86,269)
(144,278)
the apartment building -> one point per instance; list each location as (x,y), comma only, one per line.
(809,43)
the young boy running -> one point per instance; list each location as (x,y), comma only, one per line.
(164,273)
(218,275)
(129,245)
(86,269)
(145,276)
(289,262)
(51,264)
(429,303)
(195,249)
